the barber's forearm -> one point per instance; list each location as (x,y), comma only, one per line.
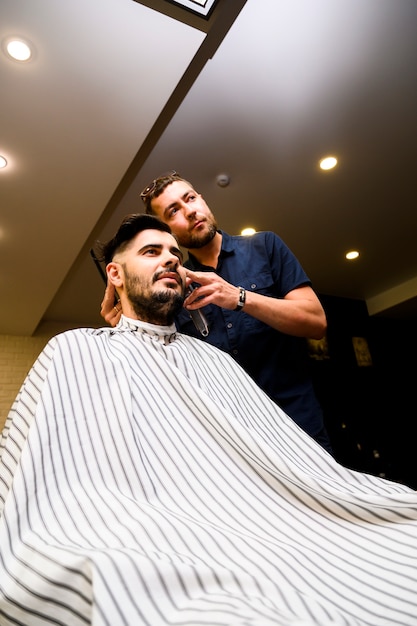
(300,317)
(299,313)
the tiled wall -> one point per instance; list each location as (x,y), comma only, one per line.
(17,355)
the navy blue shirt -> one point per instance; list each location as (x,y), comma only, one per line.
(278,362)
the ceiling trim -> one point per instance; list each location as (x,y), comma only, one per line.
(392,297)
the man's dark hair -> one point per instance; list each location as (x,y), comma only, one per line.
(157,186)
(131,225)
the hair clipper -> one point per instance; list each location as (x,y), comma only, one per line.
(198,317)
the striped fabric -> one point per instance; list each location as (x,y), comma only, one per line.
(146,480)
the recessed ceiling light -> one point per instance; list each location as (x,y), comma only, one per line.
(3,162)
(328,163)
(352,254)
(18,49)
(248,231)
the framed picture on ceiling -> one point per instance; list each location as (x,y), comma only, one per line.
(200,7)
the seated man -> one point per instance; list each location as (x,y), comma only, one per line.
(143,481)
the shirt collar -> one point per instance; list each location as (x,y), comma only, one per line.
(227,249)
(228,246)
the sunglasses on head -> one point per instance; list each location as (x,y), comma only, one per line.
(151,188)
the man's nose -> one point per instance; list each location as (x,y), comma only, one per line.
(172,260)
(189,210)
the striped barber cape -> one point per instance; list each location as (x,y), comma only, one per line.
(146,480)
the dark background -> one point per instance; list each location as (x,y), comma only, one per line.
(369,411)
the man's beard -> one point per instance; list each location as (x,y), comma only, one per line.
(159,307)
(198,240)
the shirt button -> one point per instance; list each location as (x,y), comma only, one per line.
(235,351)
(229,325)
(253,286)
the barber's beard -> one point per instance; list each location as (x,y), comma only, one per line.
(199,240)
(158,307)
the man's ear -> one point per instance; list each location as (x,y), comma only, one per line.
(115,274)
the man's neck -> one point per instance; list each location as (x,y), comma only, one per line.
(208,254)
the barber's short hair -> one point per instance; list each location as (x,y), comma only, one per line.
(131,225)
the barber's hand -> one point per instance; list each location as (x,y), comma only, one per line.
(109,310)
(212,290)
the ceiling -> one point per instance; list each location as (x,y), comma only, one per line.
(120,91)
